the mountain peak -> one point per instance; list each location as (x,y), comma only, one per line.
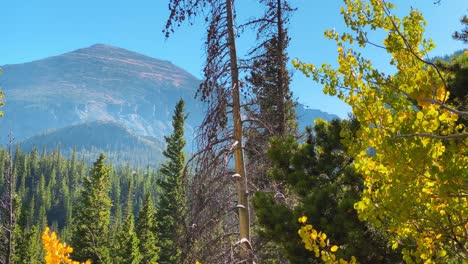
(104,47)
(111,51)
(100,82)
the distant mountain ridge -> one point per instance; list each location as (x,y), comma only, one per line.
(100,82)
(91,138)
(306,116)
(130,94)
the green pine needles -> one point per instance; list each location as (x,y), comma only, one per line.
(172,204)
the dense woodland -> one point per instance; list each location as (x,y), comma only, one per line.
(387,185)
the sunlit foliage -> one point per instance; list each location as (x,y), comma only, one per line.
(317,242)
(410,149)
(57,252)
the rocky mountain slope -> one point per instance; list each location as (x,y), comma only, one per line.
(57,100)
(95,83)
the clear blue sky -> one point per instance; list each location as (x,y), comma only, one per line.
(32,30)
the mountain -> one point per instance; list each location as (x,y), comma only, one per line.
(101,98)
(96,83)
(92,138)
(306,116)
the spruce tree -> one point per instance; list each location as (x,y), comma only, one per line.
(273,112)
(126,242)
(149,244)
(319,173)
(28,247)
(172,205)
(90,231)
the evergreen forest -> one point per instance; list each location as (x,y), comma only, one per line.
(388,184)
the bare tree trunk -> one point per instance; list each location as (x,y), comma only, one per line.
(242,192)
(281,78)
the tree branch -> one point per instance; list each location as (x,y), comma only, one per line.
(433,136)
(444,106)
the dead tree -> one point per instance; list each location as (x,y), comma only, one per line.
(272,112)
(221,133)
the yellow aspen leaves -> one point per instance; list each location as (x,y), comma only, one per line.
(57,252)
(317,242)
(411,149)
(303,219)
(334,248)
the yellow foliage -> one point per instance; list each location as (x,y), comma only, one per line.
(56,252)
(410,149)
(318,243)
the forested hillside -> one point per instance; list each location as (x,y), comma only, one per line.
(389,184)
(89,139)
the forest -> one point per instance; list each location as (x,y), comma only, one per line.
(389,184)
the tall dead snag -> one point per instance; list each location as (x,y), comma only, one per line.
(221,91)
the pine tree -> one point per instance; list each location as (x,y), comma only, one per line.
(172,205)
(28,247)
(149,244)
(319,173)
(272,113)
(8,209)
(462,34)
(125,245)
(91,221)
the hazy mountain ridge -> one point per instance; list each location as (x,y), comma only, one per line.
(130,94)
(92,138)
(96,83)
(306,116)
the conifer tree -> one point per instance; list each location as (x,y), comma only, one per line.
(125,246)
(319,173)
(272,113)
(172,204)
(8,210)
(149,244)
(28,247)
(90,232)
(462,34)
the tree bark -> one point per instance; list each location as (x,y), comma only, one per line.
(281,86)
(242,193)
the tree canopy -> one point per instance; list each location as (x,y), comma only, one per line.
(410,149)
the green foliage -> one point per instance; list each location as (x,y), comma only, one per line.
(92,138)
(146,231)
(319,173)
(125,247)
(51,175)
(275,114)
(462,35)
(457,66)
(90,231)
(28,249)
(415,176)
(172,202)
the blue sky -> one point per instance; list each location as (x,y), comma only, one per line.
(32,30)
